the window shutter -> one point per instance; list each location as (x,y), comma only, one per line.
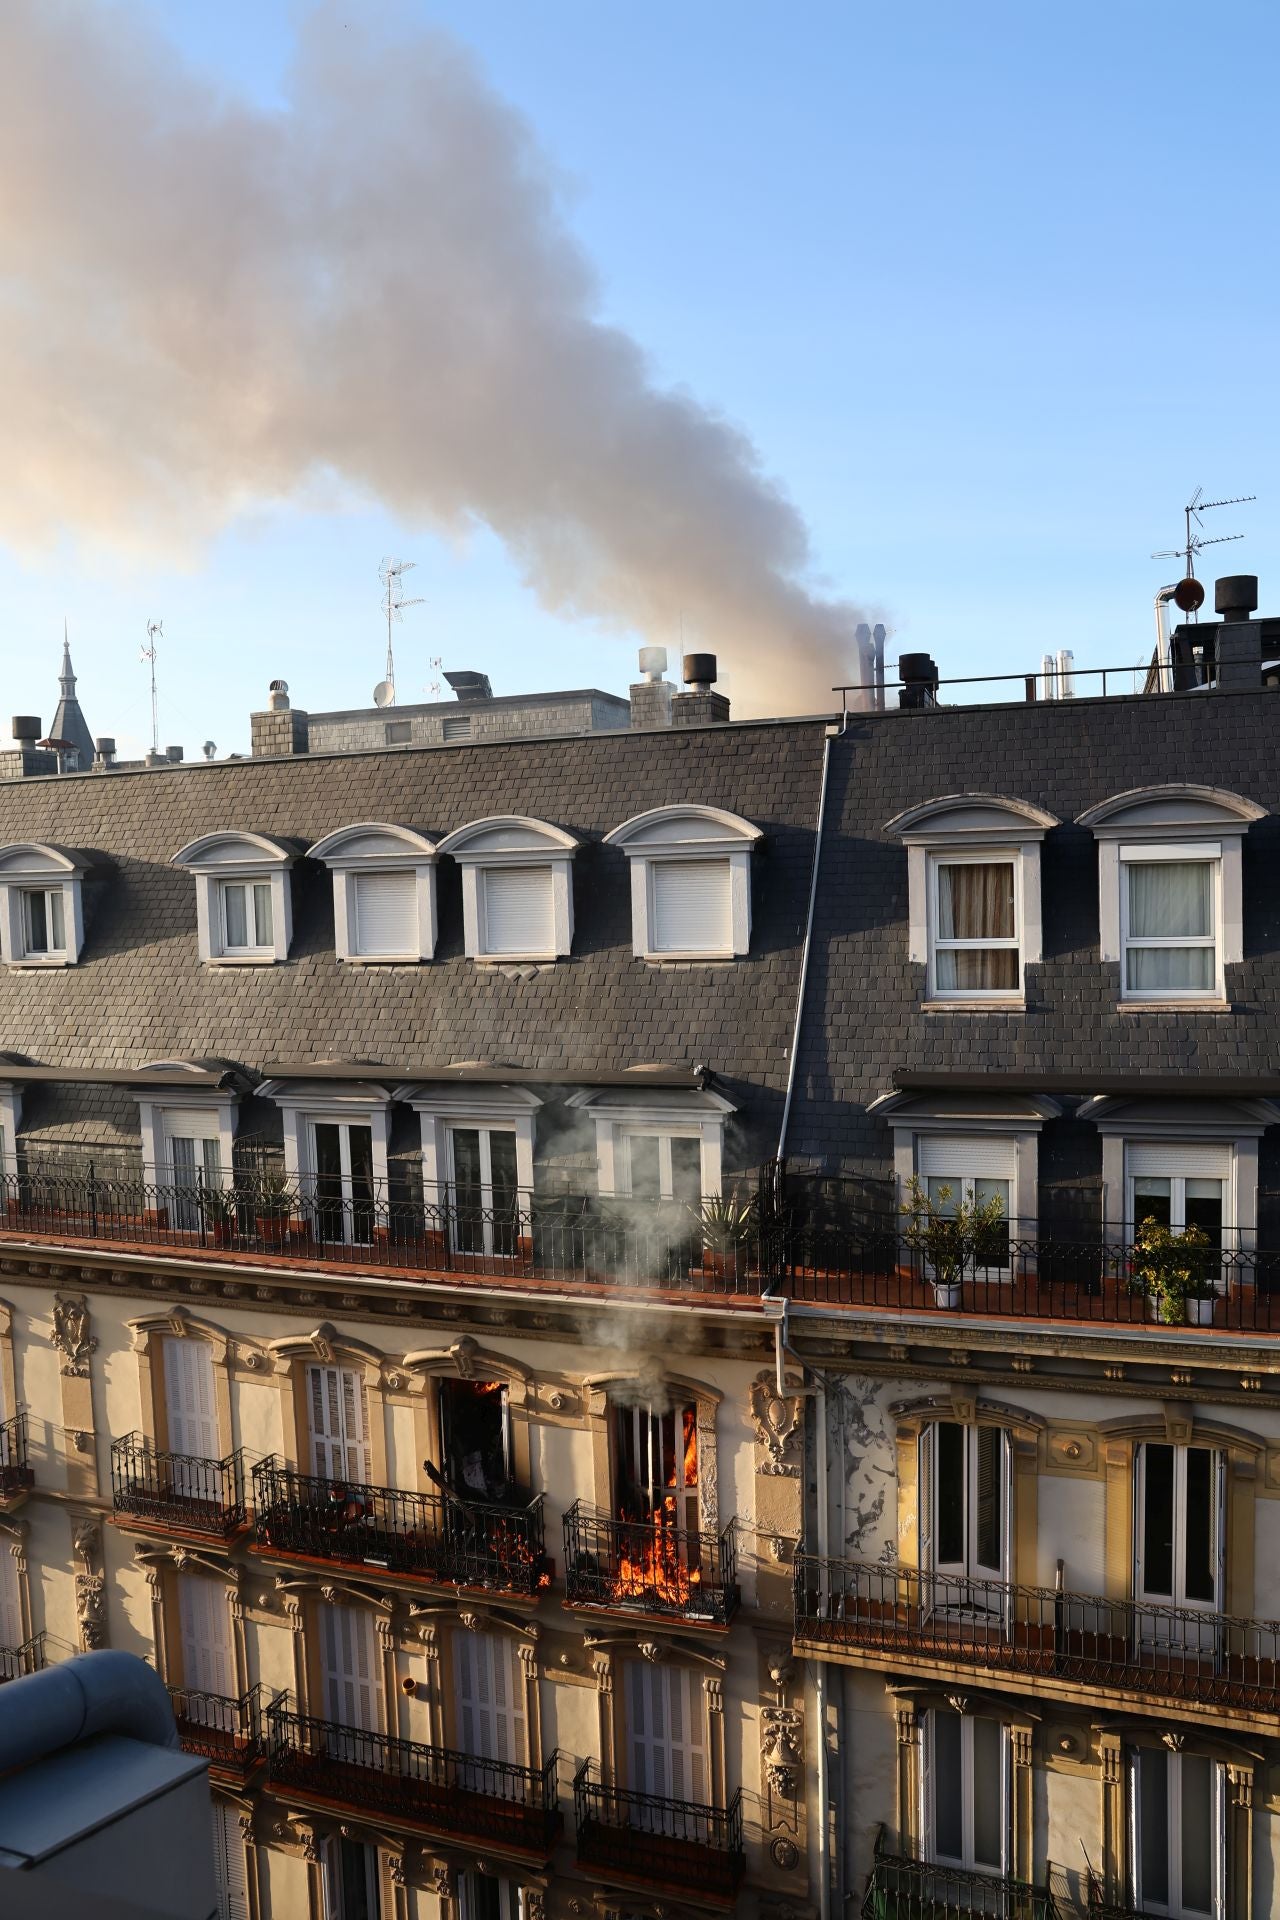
(206,1635)
(188,1393)
(229,1866)
(350,1668)
(691,906)
(11,1633)
(518,912)
(490,1696)
(1178,1159)
(966,1156)
(339,1428)
(386,913)
(667,1734)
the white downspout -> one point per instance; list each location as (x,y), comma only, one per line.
(1162,600)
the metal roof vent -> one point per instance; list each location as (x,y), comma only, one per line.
(469,685)
(278,697)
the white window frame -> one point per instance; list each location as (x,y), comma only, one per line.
(441,1107)
(334,1891)
(1203,853)
(1218,1482)
(1171,822)
(986,828)
(513,840)
(486,1130)
(670,1113)
(509,1895)
(1174,1909)
(358,1103)
(960,857)
(970,1567)
(977,1118)
(239,859)
(30,866)
(1184,1126)
(928,1779)
(374,847)
(176,1113)
(666,834)
(10,1121)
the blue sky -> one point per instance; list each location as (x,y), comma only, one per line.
(991,288)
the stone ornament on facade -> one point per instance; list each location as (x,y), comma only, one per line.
(782,1750)
(91,1610)
(777,1419)
(71,1336)
(535,1904)
(442,1882)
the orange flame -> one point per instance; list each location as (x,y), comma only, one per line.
(690,1447)
(653,1563)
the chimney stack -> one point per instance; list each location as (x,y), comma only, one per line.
(1238,641)
(282,729)
(651,694)
(698,704)
(105,756)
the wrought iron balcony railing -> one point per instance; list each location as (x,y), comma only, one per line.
(230,1733)
(1100,1907)
(1122,1647)
(436,1536)
(28,1658)
(668,1843)
(178,1490)
(16,1475)
(645,1566)
(430,1787)
(900,1888)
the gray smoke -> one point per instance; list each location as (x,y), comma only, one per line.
(206,304)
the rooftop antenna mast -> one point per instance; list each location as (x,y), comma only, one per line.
(1189,593)
(391,573)
(155,631)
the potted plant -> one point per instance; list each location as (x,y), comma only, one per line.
(951,1239)
(1177,1271)
(273,1202)
(725,1222)
(218,1212)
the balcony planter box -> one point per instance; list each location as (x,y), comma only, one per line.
(273,1228)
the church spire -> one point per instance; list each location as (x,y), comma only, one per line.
(67,678)
(69,723)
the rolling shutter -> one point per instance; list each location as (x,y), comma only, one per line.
(339,1428)
(188,1397)
(518,913)
(692,912)
(229,1866)
(350,1667)
(206,1635)
(666,1733)
(966,1157)
(1179,1160)
(386,913)
(490,1696)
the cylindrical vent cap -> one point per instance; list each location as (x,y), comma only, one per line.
(1236,595)
(699,669)
(26,726)
(173,753)
(106,745)
(914,667)
(653,662)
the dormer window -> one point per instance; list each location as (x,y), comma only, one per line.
(973,882)
(384,892)
(243,902)
(517,888)
(41,911)
(1169,890)
(690,882)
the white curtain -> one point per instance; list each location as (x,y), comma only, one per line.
(975,902)
(1170,900)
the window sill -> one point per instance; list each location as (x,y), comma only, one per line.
(516,959)
(42,960)
(998,1003)
(685,959)
(1174,1006)
(243,960)
(381,959)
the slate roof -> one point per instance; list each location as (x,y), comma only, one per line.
(140,992)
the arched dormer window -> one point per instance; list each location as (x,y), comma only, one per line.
(1169,889)
(690,882)
(384,892)
(973,873)
(243,904)
(41,912)
(517,887)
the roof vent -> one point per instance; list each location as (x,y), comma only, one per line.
(173,755)
(653,662)
(278,696)
(26,726)
(700,671)
(1235,596)
(469,685)
(106,751)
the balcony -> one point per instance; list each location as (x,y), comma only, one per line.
(900,1888)
(430,1789)
(177,1492)
(15,1662)
(16,1476)
(641,1839)
(1041,1640)
(648,1568)
(231,1734)
(436,1538)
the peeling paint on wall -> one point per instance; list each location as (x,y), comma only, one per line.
(864,1469)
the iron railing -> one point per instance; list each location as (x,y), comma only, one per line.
(648,1567)
(1100,1907)
(463,1543)
(16,1474)
(1123,1646)
(431,1787)
(28,1658)
(230,1733)
(178,1490)
(644,1836)
(902,1888)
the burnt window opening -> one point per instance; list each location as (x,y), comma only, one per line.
(475,1440)
(655,1462)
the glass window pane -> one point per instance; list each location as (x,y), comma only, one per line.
(466,1165)
(53,904)
(977,969)
(646,1179)
(502,1162)
(360,1147)
(1200,1550)
(234,916)
(1171,969)
(184,1162)
(975,901)
(262,914)
(988,1794)
(1157,1520)
(37,924)
(945,1193)
(989,1518)
(949,1454)
(1153,1825)
(1198,1840)
(1203,1208)
(948,1779)
(1152,1200)
(686,1171)
(1170,899)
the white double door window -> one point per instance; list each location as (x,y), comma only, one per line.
(667,1753)
(191,1418)
(965,1791)
(1180,1186)
(349,1648)
(959,1171)
(484,1186)
(339,1424)
(350,1880)
(341,1180)
(1179,1546)
(662,1166)
(966,1481)
(1178,1834)
(484,1896)
(490,1697)
(192,1165)
(208,1663)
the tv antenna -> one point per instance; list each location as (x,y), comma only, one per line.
(1189,594)
(435,663)
(155,631)
(391,573)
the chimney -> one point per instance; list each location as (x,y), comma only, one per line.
(698,704)
(105,756)
(1239,639)
(651,694)
(282,729)
(173,755)
(24,760)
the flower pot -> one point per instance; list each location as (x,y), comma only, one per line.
(946,1293)
(272,1228)
(1200,1312)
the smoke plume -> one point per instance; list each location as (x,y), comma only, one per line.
(208,304)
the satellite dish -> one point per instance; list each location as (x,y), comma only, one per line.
(1188,595)
(382,693)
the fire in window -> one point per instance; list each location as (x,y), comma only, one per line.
(475,1440)
(655,1470)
